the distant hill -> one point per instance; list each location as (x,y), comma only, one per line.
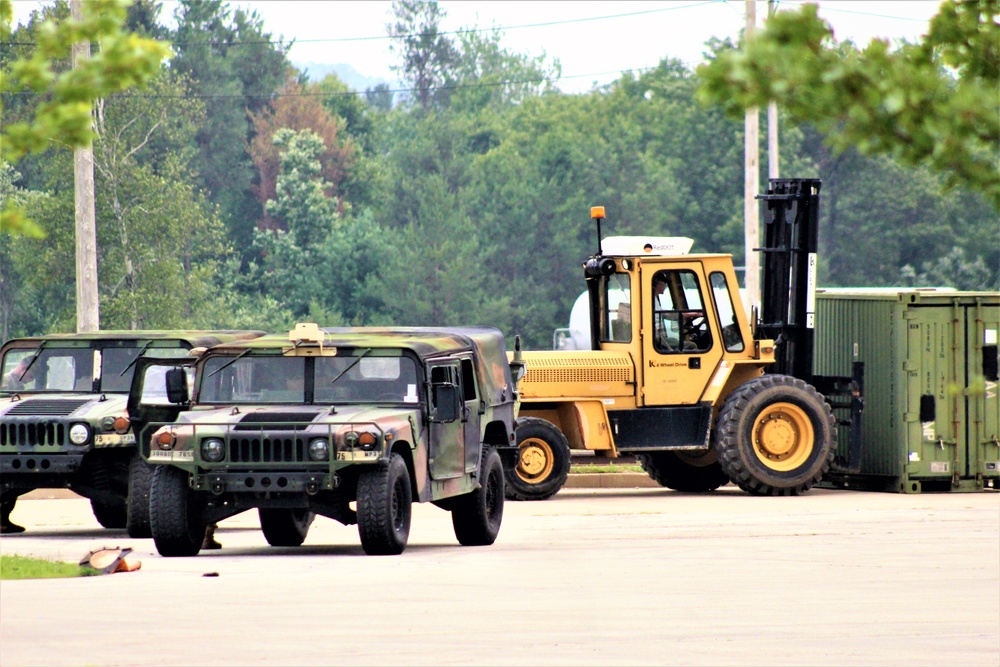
(352,77)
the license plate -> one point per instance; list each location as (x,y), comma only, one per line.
(357,456)
(114,439)
(160,455)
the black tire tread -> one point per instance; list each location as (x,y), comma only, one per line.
(177,530)
(670,471)
(113,517)
(140,479)
(515,487)
(470,516)
(375,521)
(737,416)
(285,527)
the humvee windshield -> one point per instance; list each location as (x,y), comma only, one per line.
(353,376)
(51,369)
(62,369)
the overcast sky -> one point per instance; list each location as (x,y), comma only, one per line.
(594,40)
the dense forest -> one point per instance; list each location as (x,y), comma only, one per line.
(233,192)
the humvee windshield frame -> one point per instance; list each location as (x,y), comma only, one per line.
(64,366)
(352,376)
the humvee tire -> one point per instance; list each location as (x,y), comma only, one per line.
(175,519)
(285,527)
(109,516)
(542,461)
(775,436)
(140,478)
(682,472)
(384,507)
(476,516)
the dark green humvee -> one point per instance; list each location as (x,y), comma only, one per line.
(350,423)
(63,420)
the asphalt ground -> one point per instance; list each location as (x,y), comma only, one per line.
(589,577)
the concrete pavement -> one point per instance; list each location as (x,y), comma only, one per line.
(590,577)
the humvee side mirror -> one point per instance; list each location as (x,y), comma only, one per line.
(445,408)
(177,389)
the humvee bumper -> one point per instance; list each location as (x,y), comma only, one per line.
(36,464)
(265,482)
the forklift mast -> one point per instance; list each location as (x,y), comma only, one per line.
(788,273)
(788,303)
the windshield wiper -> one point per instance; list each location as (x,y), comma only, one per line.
(351,365)
(230,362)
(34,358)
(132,363)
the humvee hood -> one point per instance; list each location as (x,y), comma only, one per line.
(89,406)
(297,414)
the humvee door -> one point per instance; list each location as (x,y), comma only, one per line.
(454,442)
(151,401)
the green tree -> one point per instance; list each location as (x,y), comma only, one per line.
(17,315)
(428,56)
(122,60)
(932,103)
(160,246)
(301,203)
(952,270)
(323,268)
(488,75)
(236,67)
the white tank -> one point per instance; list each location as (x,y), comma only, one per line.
(577,335)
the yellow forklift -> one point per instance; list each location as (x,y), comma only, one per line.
(679,376)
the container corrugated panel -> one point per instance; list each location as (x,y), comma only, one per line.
(932,416)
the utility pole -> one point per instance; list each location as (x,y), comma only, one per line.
(88,317)
(772,119)
(751,187)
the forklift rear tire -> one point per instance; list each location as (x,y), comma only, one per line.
(684,473)
(775,436)
(542,462)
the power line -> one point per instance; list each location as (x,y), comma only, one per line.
(350,93)
(443,32)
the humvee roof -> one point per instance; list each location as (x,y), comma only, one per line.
(200,338)
(425,342)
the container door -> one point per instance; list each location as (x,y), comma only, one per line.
(949,394)
(983,326)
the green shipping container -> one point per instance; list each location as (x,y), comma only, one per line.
(932,416)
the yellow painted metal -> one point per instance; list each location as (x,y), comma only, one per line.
(534,460)
(584,422)
(783,436)
(574,390)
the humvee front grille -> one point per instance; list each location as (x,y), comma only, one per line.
(33,434)
(267,450)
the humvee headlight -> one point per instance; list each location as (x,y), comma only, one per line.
(165,439)
(362,440)
(319,449)
(79,434)
(367,440)
(212,450)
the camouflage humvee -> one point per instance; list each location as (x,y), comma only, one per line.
(63,422)
(313,421)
